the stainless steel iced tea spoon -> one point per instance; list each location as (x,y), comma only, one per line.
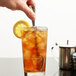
(38,56)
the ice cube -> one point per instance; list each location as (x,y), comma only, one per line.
(28,44)
(38,61)
(27,54)
(41,36)
(29,40)
(43,53)
(41,46)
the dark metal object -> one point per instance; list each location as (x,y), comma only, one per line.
(33,22)
(67,73)
(67,58)
(56,44)
(67,42)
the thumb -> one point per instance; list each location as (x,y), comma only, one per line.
(29,12)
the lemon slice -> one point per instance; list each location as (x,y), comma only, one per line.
(19,26)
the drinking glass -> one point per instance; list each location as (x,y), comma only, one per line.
(34,47)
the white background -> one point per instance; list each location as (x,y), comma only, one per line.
(58,15)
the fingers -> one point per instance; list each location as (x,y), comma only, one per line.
(29,12)
(31,4)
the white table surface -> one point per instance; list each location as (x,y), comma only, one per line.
(14,67)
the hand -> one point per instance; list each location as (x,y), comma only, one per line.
(24,5)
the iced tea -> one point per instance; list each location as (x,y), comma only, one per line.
(34,45)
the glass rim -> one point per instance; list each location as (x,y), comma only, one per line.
(38,27)
(34,28)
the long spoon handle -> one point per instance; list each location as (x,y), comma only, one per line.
(33,21)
